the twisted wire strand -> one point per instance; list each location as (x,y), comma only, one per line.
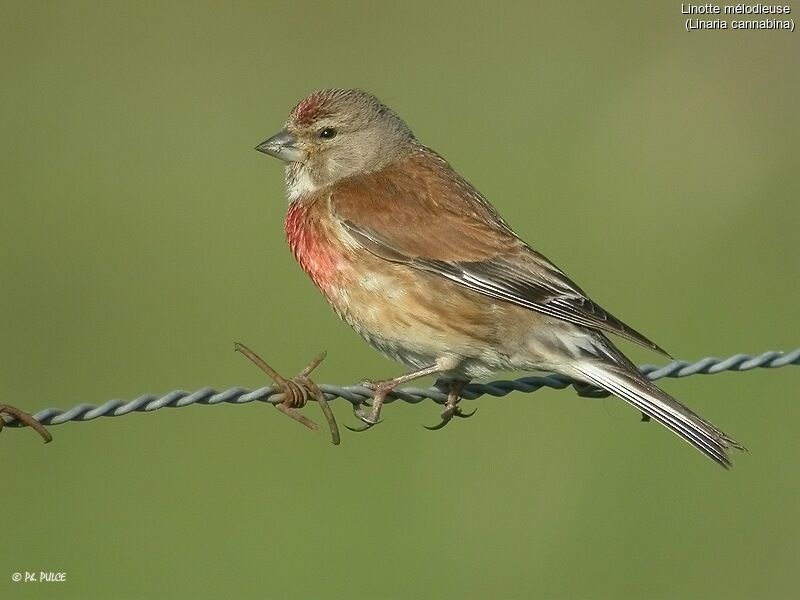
(357,394)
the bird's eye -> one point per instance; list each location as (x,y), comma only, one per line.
(327,133)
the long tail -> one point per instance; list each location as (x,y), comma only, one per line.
(618,375)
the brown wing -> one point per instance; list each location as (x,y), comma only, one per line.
(421,213)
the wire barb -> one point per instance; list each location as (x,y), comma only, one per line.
(296,391)
(357,394)
(22,418)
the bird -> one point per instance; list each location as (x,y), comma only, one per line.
(424,268)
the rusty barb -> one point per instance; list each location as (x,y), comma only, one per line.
(25,419)
(297,391)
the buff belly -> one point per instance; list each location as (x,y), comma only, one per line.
(418,319)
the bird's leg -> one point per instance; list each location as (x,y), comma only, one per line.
(382,389)
(451,408)
(25,419)
(296,391)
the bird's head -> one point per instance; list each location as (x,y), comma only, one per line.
(334,134)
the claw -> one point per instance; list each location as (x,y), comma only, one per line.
(359,429)
(437,427)
(447,416)
(25,419)
(463,415)
(368,420)
(296,391)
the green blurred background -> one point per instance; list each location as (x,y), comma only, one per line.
(141,235)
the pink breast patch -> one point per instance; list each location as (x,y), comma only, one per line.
(316,252)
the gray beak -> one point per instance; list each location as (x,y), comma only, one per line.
(282,145)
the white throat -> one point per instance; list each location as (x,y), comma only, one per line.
(298,182)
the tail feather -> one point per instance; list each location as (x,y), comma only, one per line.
(626,382)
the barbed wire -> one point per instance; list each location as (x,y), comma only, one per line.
(357,394)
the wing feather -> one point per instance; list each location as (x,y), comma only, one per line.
(424,215)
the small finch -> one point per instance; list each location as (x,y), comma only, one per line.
(419,263)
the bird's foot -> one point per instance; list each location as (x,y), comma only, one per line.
(297,391)
(25,419)
(451,408)
(372,417)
